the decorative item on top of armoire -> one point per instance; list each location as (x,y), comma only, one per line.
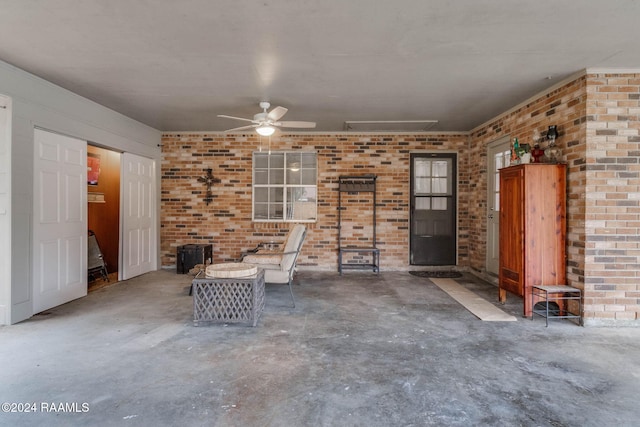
(520,153)
(537,153)
(208,180)
(532,229)
(552,153)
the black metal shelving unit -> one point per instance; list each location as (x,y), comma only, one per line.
(357,184)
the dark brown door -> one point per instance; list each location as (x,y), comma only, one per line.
(433,209)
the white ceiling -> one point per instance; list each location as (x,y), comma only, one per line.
(176,64)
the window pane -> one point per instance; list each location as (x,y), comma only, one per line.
(309,194)
(423,186)
(422,168)
(260,177)
(275,211)
(440,168)
(276,176)
(293,177)
(423,203)
(308,177)
(299,207)
(439,203)
(293,161)
(260,211)
(260,161)
(498,160)
(439,186)
(276,160)
(294,194)
(275,195)
(261,195)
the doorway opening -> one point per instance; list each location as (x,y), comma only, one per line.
(103,209)
(433,230)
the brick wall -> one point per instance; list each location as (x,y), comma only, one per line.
(226,222)
(564,107)
(612,200)
(597,119)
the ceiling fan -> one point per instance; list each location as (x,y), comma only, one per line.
(266,122)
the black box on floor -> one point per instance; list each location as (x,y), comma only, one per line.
(188,256)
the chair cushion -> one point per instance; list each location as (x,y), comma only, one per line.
(276,276)
(263,257)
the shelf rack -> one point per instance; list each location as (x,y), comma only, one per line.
(357,184)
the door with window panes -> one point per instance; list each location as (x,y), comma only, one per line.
(499,156)
(433,231)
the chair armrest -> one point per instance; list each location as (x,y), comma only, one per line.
(266,245)
(270,253)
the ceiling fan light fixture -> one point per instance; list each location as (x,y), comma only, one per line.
(265,130)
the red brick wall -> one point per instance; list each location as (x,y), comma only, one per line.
(612,200)
(226,222)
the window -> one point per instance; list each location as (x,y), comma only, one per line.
(285,186)
(432,183)
(501,160)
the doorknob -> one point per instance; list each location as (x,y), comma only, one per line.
(490,216)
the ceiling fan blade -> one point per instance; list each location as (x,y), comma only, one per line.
(277,113)
(235,118)
(241,128)
(296,124)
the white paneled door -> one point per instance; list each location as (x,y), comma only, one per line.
(138,219)
(60,220)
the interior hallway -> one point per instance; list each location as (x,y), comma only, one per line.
(358,350)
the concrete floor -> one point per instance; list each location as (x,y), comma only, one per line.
(358,350)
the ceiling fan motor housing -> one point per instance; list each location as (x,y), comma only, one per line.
(260,117)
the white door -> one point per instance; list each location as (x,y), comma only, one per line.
(138,219)
(498,156)
(60,220)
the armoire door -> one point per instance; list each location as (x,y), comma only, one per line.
(511,230)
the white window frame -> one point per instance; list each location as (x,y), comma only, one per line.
(286,213)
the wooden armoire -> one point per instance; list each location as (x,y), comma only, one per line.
(532,229)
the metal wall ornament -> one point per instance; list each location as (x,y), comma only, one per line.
(208,180)
(552,153)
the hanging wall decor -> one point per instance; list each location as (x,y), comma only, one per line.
(208,180)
